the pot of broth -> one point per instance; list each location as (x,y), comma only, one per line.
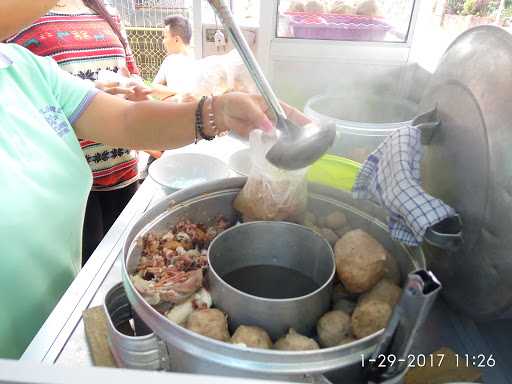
(271,274)
(192,352)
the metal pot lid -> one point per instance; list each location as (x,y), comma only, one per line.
(468,164)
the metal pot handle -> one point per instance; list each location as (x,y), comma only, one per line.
(146,351)
(389,359)
(447,234)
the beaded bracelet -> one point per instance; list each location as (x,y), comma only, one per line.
(211,118)
(198,126)
(199,122)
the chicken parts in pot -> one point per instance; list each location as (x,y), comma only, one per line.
(171,265)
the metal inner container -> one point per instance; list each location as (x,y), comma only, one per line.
(193,353)
(274,275)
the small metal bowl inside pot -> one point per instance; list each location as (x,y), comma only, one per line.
(274,275)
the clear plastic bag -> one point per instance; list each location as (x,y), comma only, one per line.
(271,193)
(212,76)
(239,78)
(219,74)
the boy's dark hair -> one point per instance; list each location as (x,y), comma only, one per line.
(179,25)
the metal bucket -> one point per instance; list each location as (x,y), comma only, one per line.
(363,119)
(271,258)
(144,351)
(193,353)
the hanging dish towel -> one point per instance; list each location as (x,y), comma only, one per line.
(391,177)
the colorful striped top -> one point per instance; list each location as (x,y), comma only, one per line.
(83,44)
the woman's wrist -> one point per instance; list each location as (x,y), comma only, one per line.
(218,104)
(213,116)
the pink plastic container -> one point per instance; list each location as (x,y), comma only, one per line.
(327,26)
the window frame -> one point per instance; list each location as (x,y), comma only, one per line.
(407,42)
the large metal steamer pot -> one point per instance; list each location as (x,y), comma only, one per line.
(193,353)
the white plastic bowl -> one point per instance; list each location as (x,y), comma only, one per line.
(184,170)
(240,162)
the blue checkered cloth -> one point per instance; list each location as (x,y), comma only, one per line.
(391,177)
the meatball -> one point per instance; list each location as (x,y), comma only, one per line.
(329,235)
(335,220)
(314,6)
(296,6)
(294,341)
(210,323)
(341,7)
(369,317)
(252,337)
(360,261)
(333,328)
(368,8)
(386,291)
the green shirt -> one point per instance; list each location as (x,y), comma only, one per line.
(45,181)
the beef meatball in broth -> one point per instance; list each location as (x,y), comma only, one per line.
(252,337)
(211,323)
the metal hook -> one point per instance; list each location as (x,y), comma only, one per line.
(428,123)
(446,234)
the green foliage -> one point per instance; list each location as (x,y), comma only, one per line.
(507,13)
(455,7)
(474,7)
(469,7)
(480,7)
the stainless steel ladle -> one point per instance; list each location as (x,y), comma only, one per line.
(297,147)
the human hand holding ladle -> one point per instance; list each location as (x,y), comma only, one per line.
(297,146)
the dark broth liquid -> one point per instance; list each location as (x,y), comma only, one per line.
(271,281)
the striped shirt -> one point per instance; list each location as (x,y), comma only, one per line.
(83,44)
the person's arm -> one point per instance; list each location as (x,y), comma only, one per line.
(160,75)
(161,91)
(108,119)
(21,14)
(152,124)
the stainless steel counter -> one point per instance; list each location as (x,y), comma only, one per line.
(61,340)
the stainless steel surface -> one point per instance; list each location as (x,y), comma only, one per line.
(419,294)
(195,353)
(468,165)
(277,244)
(297,147)
(140,351)
(12,371)
(62,340)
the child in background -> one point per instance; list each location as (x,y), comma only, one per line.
(172,76)
(182,78)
